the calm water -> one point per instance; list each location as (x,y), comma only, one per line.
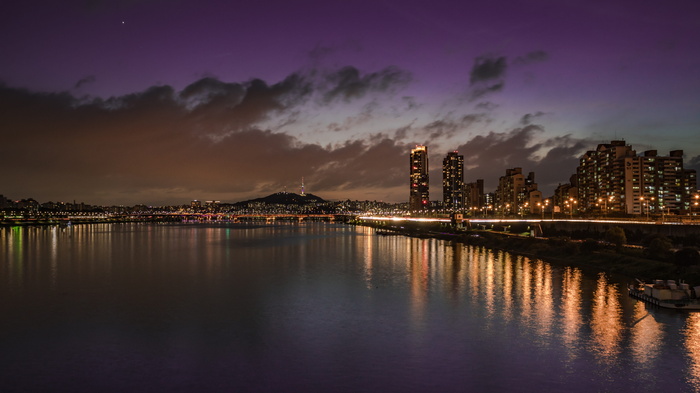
(318,307)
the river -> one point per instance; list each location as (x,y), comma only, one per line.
(318,307)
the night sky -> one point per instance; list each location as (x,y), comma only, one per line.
(162,102)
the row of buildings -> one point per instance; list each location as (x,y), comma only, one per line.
(615,179)
(612,179)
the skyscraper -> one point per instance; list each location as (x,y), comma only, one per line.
(419,198)
(453,181)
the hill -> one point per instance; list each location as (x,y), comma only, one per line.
(284,198)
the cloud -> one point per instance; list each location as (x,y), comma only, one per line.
(448,128)
(84,81)
(486,106)
(488,156)
(164,146)
(529,117)
(693,163)
(440,129)
(207,89)
(213,140)
(487,69)
(348,83)
(482,91)
(486,76)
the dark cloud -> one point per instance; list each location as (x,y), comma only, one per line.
(354,121)
(402,132)
(486,106)
(164,146)
(482,91)
(447,128)
(441,129)
(349,83)
(410,103)
(488,72)
(356,164)
(693,163)
(486,76)
(528,118)
(473,118)
(209,88)
(488,156)
(487,69)
(84,81)
(208,141)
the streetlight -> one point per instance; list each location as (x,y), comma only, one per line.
(573,202)
(605,203)
(644,204)
(662,211)
(522,209)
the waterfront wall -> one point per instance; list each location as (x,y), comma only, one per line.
(661,229)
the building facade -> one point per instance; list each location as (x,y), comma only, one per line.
(658,185)
(614,179)
(453,181)
(419,197)
(474,199)
(517,194)
(564,196)
(601,177)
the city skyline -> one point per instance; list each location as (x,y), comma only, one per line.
(160,103)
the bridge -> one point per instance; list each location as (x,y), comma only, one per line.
(229,217)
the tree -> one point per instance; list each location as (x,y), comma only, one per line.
(687,256)
(659,247)
(616,236)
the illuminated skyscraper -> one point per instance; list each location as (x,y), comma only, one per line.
(419,198)
(453,181)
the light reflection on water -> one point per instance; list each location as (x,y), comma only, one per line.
(691,333)
(321,306)
(571,315)
(606,321)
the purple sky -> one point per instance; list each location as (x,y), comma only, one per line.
(123,102)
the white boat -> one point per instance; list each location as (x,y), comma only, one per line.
(667,294)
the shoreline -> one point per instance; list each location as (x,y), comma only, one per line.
(595,256)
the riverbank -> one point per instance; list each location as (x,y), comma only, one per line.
(589,254)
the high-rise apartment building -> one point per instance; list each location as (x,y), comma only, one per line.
(601,175)
(474,199)
(517,194)
(613,178)
(566,194)
(419,197)
(453,181)
(655,184)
